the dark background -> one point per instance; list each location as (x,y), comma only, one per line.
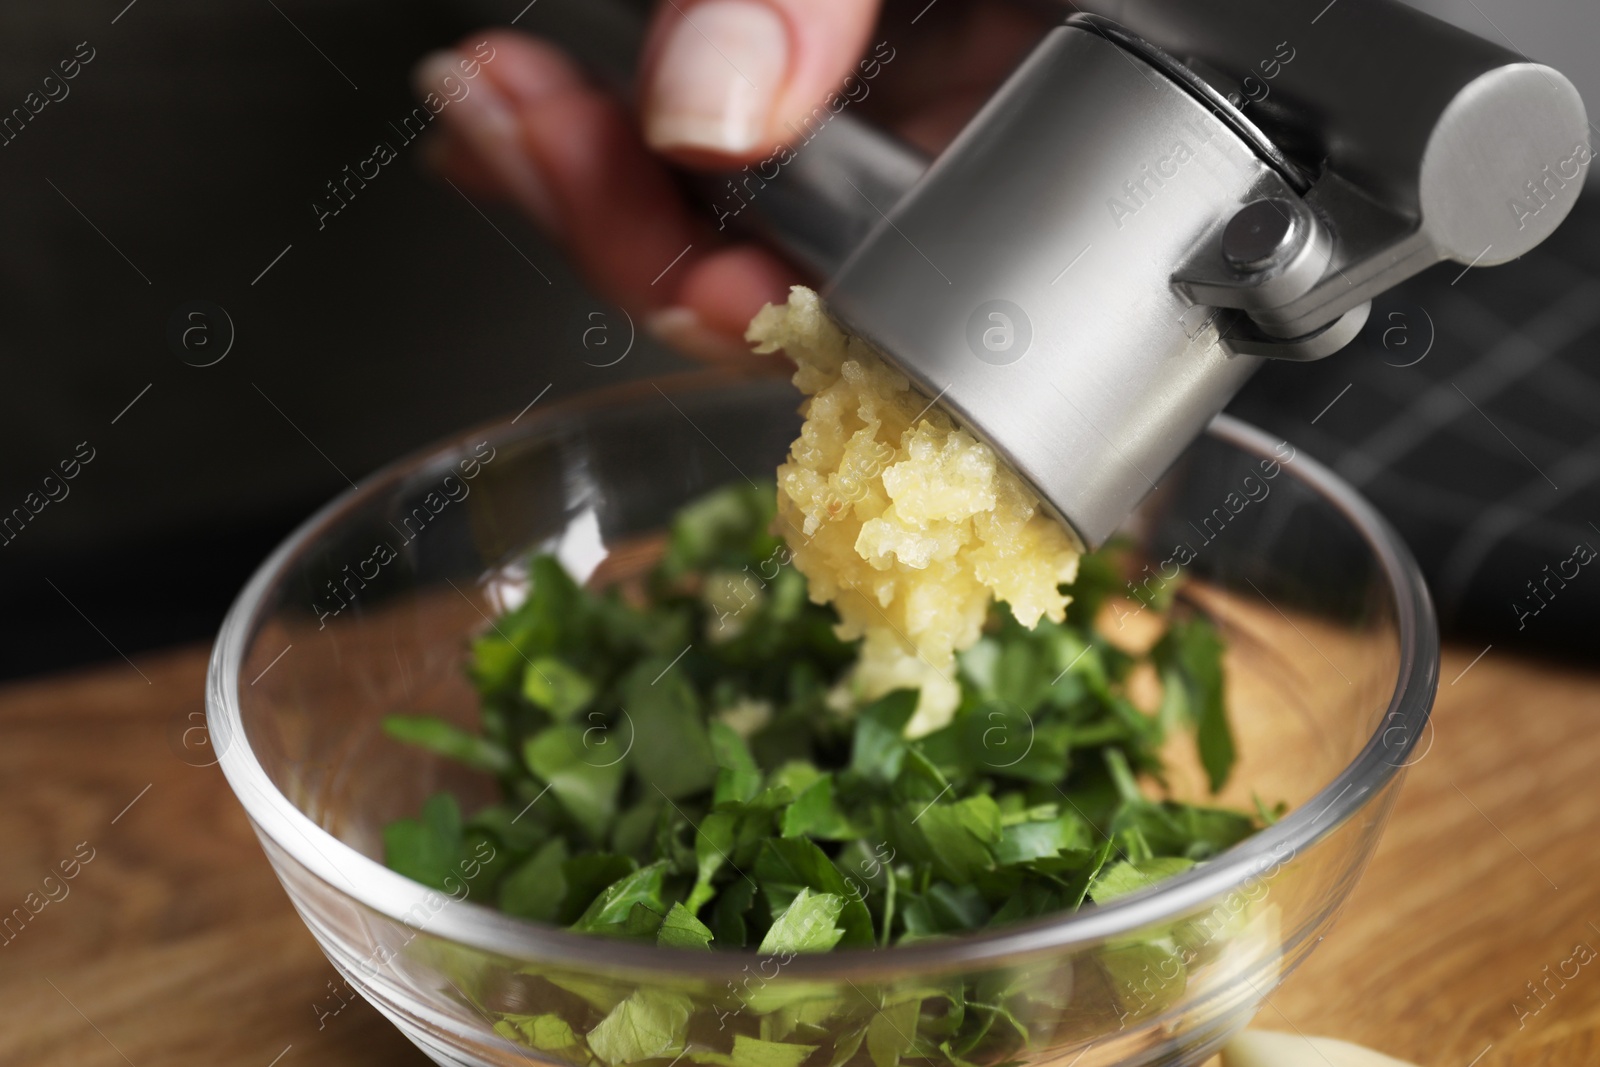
(186,158)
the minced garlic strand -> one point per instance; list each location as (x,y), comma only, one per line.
(902,520)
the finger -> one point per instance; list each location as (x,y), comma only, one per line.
(469,88)
(719,296)
(728,287)
(726,81)
(531,121)
(621,217)
(635,240)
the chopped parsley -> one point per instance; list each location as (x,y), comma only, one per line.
(674,771)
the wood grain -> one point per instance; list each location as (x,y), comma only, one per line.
(175,947)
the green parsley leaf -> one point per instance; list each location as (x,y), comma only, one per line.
(1124,877)
(846,1046)
(713,842)
(650,1024)
(788,865)
(754,1052)
(535,889)
(727,525)
(643,886)
(945,909)
(551,684)
(891,1033)
(815,814)
(738,776)
(586,877)
(961,836)
(1189,657)
(733,912)
(426,850)
(806,925)
(452,742)
(879,744)
(681,929)
(549,1033)
(1145,977)
(1024,841)
(671,746)
(584,780)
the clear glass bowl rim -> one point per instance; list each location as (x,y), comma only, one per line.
(482,927)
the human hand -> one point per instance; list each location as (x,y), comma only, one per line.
(724,83)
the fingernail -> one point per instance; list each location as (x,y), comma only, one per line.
(490,128)
(681,329)
(718,77)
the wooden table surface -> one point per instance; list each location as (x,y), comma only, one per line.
(173,945)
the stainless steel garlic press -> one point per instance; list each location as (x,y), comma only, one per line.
(1165,193)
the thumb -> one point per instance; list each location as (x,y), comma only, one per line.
(728,80)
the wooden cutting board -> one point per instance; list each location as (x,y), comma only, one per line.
(173,945)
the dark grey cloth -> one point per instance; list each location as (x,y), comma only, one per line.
(1469,412)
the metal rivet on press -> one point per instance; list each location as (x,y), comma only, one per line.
(1262,234)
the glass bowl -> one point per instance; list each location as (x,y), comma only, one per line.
(1332,657)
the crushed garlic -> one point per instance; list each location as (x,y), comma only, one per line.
(902,520)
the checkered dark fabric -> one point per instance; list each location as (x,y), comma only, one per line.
(1469,413)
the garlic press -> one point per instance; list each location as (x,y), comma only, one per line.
(1164,194)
